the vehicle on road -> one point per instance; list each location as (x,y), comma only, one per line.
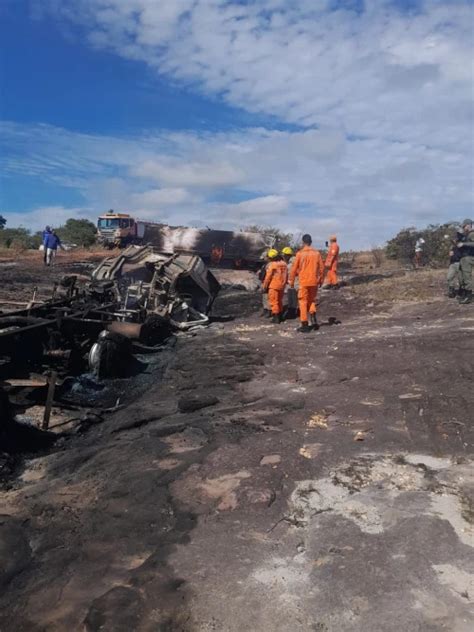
(224,248)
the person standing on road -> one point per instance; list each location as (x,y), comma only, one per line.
(309,268)
(290,297)
(419,247)
(466,245)
(46,232)
(454,277)
(331,263)
(51,244)
(274,283)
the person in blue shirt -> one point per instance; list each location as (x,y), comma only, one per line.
(46,232)
(51,245)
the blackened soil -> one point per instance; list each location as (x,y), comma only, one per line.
(159,519)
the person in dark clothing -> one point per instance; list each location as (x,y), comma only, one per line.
(46,232)
(454,277)
(466,246)
(51,244)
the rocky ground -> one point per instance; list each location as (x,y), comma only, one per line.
(267,481)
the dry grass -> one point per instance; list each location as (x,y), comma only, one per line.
(36,256)
(413,286)
(368,260)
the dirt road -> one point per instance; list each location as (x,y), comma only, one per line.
(272,481)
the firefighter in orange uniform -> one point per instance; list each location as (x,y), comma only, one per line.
(275,281)
(331,263)
(309,268)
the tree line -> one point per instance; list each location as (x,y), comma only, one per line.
(438,242)
(80,232)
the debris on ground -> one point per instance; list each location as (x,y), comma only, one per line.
(101,324)
(318,420)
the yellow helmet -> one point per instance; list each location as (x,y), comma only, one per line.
(272,253)
(287,251)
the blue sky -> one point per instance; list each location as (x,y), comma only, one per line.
(316,115)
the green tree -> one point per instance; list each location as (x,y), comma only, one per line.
(10,237)
(36,240)
(78,231)
(3,221)
(437,243)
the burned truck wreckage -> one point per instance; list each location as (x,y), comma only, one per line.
(94,324)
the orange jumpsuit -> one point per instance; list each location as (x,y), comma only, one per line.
(309,268)
(331,264)
(275,281)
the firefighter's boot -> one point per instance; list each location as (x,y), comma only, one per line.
(313,321)
(467,298)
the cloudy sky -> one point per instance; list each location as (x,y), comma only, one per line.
(352,116)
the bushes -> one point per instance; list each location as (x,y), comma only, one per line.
(19,238)
(436,248)
(78,231)
(378,255)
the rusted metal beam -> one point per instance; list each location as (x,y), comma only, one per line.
(49,399)
(22,303)
(129,330)
(32,323)
(62,354)
(33,382)
(39,307)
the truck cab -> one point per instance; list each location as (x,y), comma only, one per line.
(116,229)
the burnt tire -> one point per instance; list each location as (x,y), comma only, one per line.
(110,356)
(155,330)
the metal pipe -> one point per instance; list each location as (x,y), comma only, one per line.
(5,302)
(129,330)
(39,308)
(38,323)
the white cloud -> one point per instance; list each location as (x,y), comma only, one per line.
(316,180)
(266,208)
(53,216)
(159,197)
(385,95)
(193,174)
(379,72)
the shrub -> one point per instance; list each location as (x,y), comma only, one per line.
(21,237)
(436,248)
(78,231)
(378,255)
